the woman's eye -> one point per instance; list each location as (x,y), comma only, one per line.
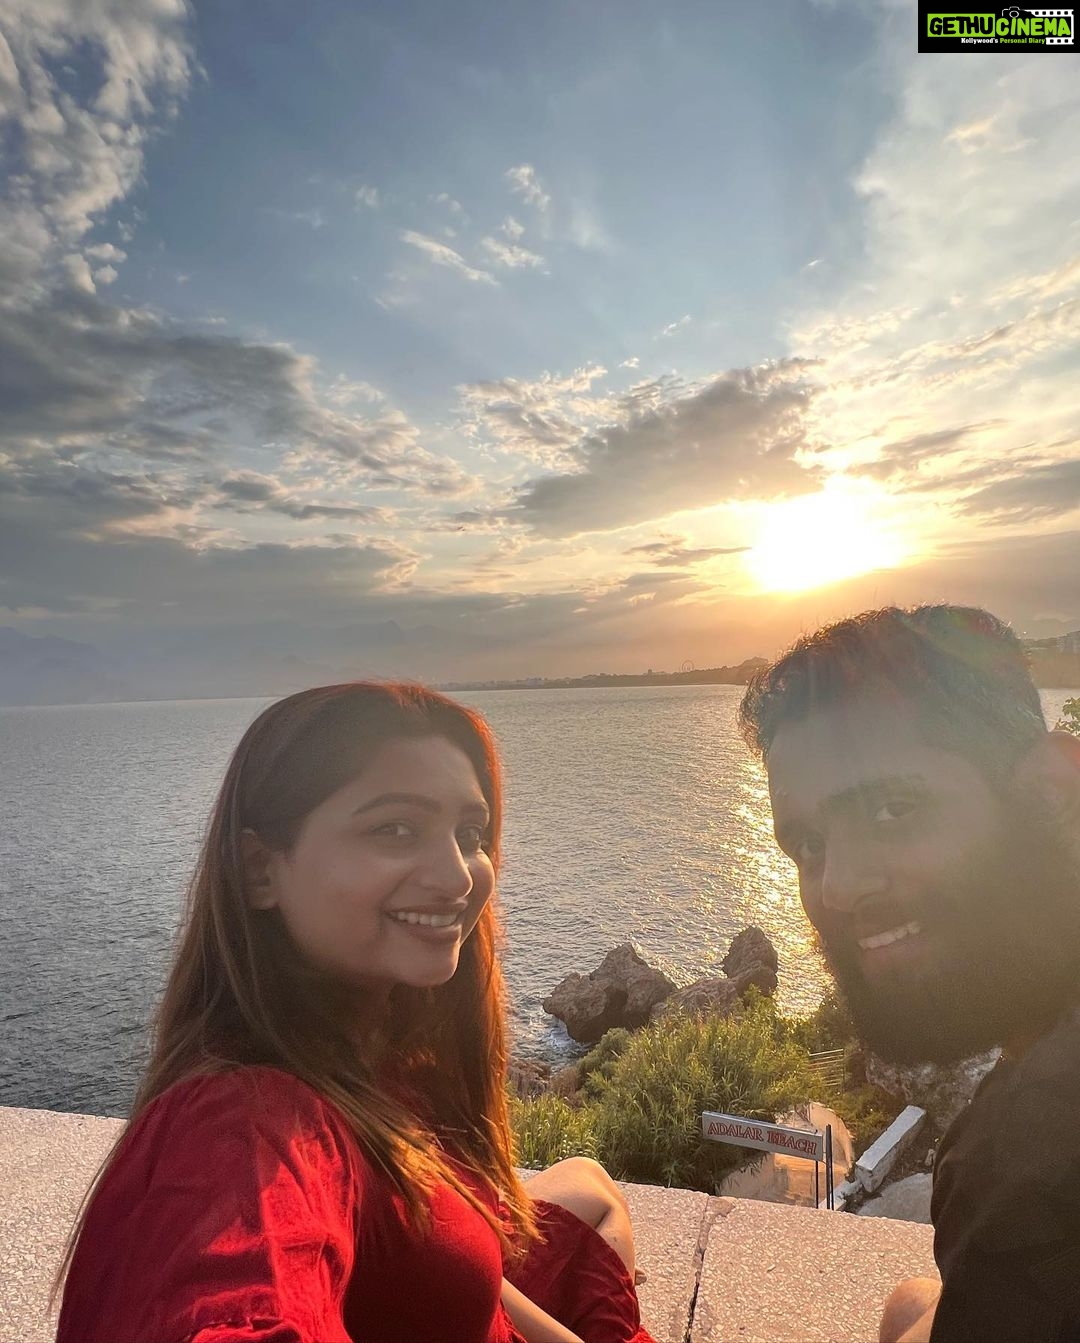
(471,838)
(394,830)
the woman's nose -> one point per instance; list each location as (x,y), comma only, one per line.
(446,870)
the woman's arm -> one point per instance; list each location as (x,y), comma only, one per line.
(534,1325)
(227,1216)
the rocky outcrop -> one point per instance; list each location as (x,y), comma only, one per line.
(621,991)
(751,962)
(752,957)
(942,1091)
(528,1077)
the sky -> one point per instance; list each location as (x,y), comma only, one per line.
(476,340)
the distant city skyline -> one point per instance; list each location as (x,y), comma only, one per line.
(484,342)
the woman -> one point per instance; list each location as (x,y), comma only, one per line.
(319,1151)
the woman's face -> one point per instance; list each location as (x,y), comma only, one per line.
(388,875)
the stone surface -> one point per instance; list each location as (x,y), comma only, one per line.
(566,1082)
(906,1200)
(882,1155)
(669,1225)
(749,951)
(942,1091)
(621,991)
(751,962)
(769,1273)
(778,1274)
(46,1163)
(528,1077)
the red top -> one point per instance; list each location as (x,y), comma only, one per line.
(240,1209)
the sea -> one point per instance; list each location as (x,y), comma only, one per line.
(633,814)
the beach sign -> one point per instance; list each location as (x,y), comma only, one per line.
(805,1143)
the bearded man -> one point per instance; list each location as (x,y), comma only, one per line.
(934,822)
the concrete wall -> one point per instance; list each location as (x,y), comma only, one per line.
(721,1270)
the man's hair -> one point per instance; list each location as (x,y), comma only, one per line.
(963,671)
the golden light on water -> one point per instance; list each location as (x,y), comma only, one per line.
(823,538)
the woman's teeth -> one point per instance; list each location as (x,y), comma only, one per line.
(888,938)
(424,920)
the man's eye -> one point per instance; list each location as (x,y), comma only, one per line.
(471,838)
(808,850)
(894,810)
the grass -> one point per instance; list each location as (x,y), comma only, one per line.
(639,1108)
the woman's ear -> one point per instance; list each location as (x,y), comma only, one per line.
(257,859)
(1051,770)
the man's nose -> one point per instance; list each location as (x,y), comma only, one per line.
(851,872)
(445,870)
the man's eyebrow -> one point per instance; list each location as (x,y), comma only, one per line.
(870,788)
(788,832)
(418,800)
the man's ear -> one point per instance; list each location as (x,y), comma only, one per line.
(1051,771)
(257,858)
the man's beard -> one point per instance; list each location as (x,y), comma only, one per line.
(1007,933)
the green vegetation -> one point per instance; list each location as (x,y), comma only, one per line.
(1070,716)
(639,1109)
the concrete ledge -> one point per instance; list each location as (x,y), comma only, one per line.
(719,1269)
(779,1274)
(878,1159)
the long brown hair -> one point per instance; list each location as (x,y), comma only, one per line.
(239,992)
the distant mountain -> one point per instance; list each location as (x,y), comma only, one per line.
(1055,663)
(47,670)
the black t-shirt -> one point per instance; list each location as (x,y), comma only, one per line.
(1006,1203)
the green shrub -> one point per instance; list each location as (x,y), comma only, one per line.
(600,1060)
(649,1098)
(1070,716)
(829,1026)
(867,1112)
(548,1130)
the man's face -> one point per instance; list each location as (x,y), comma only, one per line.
(947,912)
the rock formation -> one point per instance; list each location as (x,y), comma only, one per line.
(942,1091)
(751,962)
(752,954)
(621,991)
(528,1077)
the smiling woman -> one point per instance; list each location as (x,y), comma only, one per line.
(323,1122)
(822,538)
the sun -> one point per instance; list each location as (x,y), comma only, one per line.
(821,539)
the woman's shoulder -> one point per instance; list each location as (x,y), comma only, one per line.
(244,1107)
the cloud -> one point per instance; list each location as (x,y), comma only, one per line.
(367,198)
(675,554)
(541,419)
(525,183)
(1048,490)
(632,362)
(441,255)
(672,327)
(454,206)
(71,151)
(512,228)
(510,255)
(733,438)
(251,491)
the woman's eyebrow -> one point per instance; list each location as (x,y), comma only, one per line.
(417,800)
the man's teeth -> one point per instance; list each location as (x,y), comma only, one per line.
(888,938)
(424,920)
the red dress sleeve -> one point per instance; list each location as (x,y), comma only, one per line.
(228,1216)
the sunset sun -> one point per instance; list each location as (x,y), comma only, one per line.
(820,539)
